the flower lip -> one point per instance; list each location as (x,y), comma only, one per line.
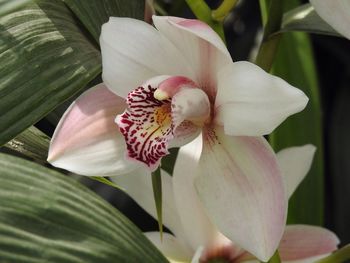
(164,109)
(146,126)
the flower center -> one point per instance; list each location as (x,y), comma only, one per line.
(146,125)
(166,109)
(224,254)
(162,115)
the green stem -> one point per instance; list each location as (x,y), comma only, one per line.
(339,256)
(157,193)
(270,43)
(222,11)
(203,12)
(275,258)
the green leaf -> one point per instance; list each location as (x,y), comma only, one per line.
(275,258)
(48,217)
(94,13)
(45,59)
(168,161)
(304,18)
(32,143)
(157,192)
(341,255)
(8,6)
(106,181)
(296,65)
(269,45)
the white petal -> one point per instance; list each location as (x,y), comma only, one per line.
(197,255)
(138,185)
(295,163)
(170,246)
(134,51)
(251,102)
(302,243)
(203,48)
(242,189)
(200,231)
(86,140)
(336,13)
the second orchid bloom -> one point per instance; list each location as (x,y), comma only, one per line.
(163,87)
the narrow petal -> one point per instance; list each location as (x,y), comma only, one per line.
(295,163)
(302,242)
(251,102)
(336,13)
(170,246)
(203,48)
(134,51)
(200,231)
(138,186)
(242,190)
(86,140)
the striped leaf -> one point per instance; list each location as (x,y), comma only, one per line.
(48,217)
(45,59)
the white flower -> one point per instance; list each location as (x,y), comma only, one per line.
(197,239)
(336,13)
(166,85)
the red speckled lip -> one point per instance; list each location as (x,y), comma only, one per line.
(146,126)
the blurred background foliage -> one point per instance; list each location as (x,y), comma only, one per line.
(320,65)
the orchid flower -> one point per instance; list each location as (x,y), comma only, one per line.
(196,239)
(165,85)
(336,13)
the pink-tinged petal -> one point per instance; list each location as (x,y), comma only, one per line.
(134,51)
(302,242)
(203,48)
(86,140)
(251,102)
(200,231)
(242,189)
(295,163)
(250,259)
(336,13)
(138,185)
(169,87)
(185,133)
(307,260)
